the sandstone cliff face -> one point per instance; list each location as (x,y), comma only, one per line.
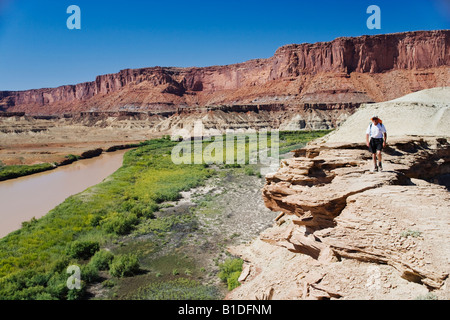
(373,54)
(346,70)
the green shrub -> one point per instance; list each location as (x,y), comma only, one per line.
(57,286)
(232,280)
(143,210)
(120,223)
(124,265)
(28,224)
(102,259)
(89,273)
(72,157)
(82,249)
(230,271)
(60,265)
(161,197)
(44,296)
(76,294)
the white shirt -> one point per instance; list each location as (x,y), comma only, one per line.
(376,131)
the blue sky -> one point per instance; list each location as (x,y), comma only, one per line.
(37,49)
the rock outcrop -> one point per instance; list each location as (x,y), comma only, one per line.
(344,232)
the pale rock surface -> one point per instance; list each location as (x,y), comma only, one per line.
(423,113)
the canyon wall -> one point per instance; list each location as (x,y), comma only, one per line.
(346,70)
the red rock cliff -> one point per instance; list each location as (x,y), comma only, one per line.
(346,70)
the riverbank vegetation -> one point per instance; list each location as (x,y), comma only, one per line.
(11,172)
(114,231)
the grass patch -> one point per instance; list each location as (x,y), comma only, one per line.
(177,289)
(293,140)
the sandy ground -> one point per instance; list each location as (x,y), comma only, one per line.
(38,141)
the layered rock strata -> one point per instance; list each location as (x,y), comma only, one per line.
(346,233)
(346,71)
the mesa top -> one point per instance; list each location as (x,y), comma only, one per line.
(376,131)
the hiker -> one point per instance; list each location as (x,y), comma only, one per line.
(376,137)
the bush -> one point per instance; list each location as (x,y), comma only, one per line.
(76,294)
(60,265)
(89,273)
(144,210)
(120,223)
(232,280)
(230,271)
(102,259)
(83,249)
(124,265)
(57,286)
(72,157)
(160,197)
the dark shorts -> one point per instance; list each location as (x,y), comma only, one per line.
(375,145)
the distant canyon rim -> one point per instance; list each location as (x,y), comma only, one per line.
(301,87)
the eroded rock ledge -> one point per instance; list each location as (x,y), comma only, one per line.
(346,233)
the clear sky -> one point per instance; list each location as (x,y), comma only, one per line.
(38,50)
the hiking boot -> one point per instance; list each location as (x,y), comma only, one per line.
(374,170)
(380,167)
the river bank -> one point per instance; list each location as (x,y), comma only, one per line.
(8,172)
(45,190)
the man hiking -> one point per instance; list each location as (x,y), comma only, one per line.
(376,137)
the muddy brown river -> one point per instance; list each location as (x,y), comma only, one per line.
(31,196)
